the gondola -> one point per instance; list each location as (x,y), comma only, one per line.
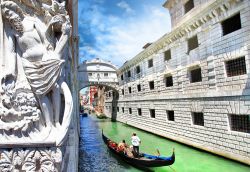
(144,160)
(84,114)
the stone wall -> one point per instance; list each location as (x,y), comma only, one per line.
(74,133)
(217,96)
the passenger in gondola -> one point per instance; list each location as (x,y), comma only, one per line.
(112,144)
(129,151)
(135,140)
(122,146)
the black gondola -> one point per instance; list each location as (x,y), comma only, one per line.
(145,160)
(84,114)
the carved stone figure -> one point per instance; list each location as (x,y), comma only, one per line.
(35,102)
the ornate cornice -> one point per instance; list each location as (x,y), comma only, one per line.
(188,24)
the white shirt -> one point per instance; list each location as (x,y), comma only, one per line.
(135,140)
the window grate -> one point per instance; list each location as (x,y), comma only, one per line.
(152,113)
(240,123)
(130,110)
(151,85)
(170,115)
(188,6)
(129,89)
(168,81)
(138,87)
(236,67)
(195,75)
(198,118)
(150,63)
(167,55)
(129,73)
(138,69)
(139,111)
(231,24)
(192,43)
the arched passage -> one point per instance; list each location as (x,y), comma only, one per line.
(96,96)
(103,76)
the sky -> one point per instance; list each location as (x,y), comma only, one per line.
(116,30)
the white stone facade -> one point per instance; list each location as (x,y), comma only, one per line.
(97,72)
(217,95)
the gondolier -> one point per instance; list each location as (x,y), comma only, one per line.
(135,140)
(145,160)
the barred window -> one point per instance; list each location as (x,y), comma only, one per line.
(90,74)
(138,69)
(188,6)
(240,123)
(151,85)
(122,91)
(167,55)
(150,63)
(195,75)
(139,111)
(152,113)
(231,24)
(170,114)
(129,89)
(168,81)
(193,43)
(106,74)
(139,87)
(129,73)
(198,118)
(236,67)
(122,109)
(130,110)
(118,109)
(122,77)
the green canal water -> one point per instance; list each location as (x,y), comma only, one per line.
(187,159)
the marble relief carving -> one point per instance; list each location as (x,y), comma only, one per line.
(30,160)
(35,101)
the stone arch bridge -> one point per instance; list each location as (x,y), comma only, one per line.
(97,72)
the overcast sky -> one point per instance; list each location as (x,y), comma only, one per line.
(116,30)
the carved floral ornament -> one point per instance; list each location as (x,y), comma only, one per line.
(30,160)
(35,101)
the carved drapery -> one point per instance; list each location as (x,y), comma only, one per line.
(35,100)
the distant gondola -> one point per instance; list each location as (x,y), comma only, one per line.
(145,160)
(84,114)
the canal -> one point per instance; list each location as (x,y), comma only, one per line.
(95,157)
